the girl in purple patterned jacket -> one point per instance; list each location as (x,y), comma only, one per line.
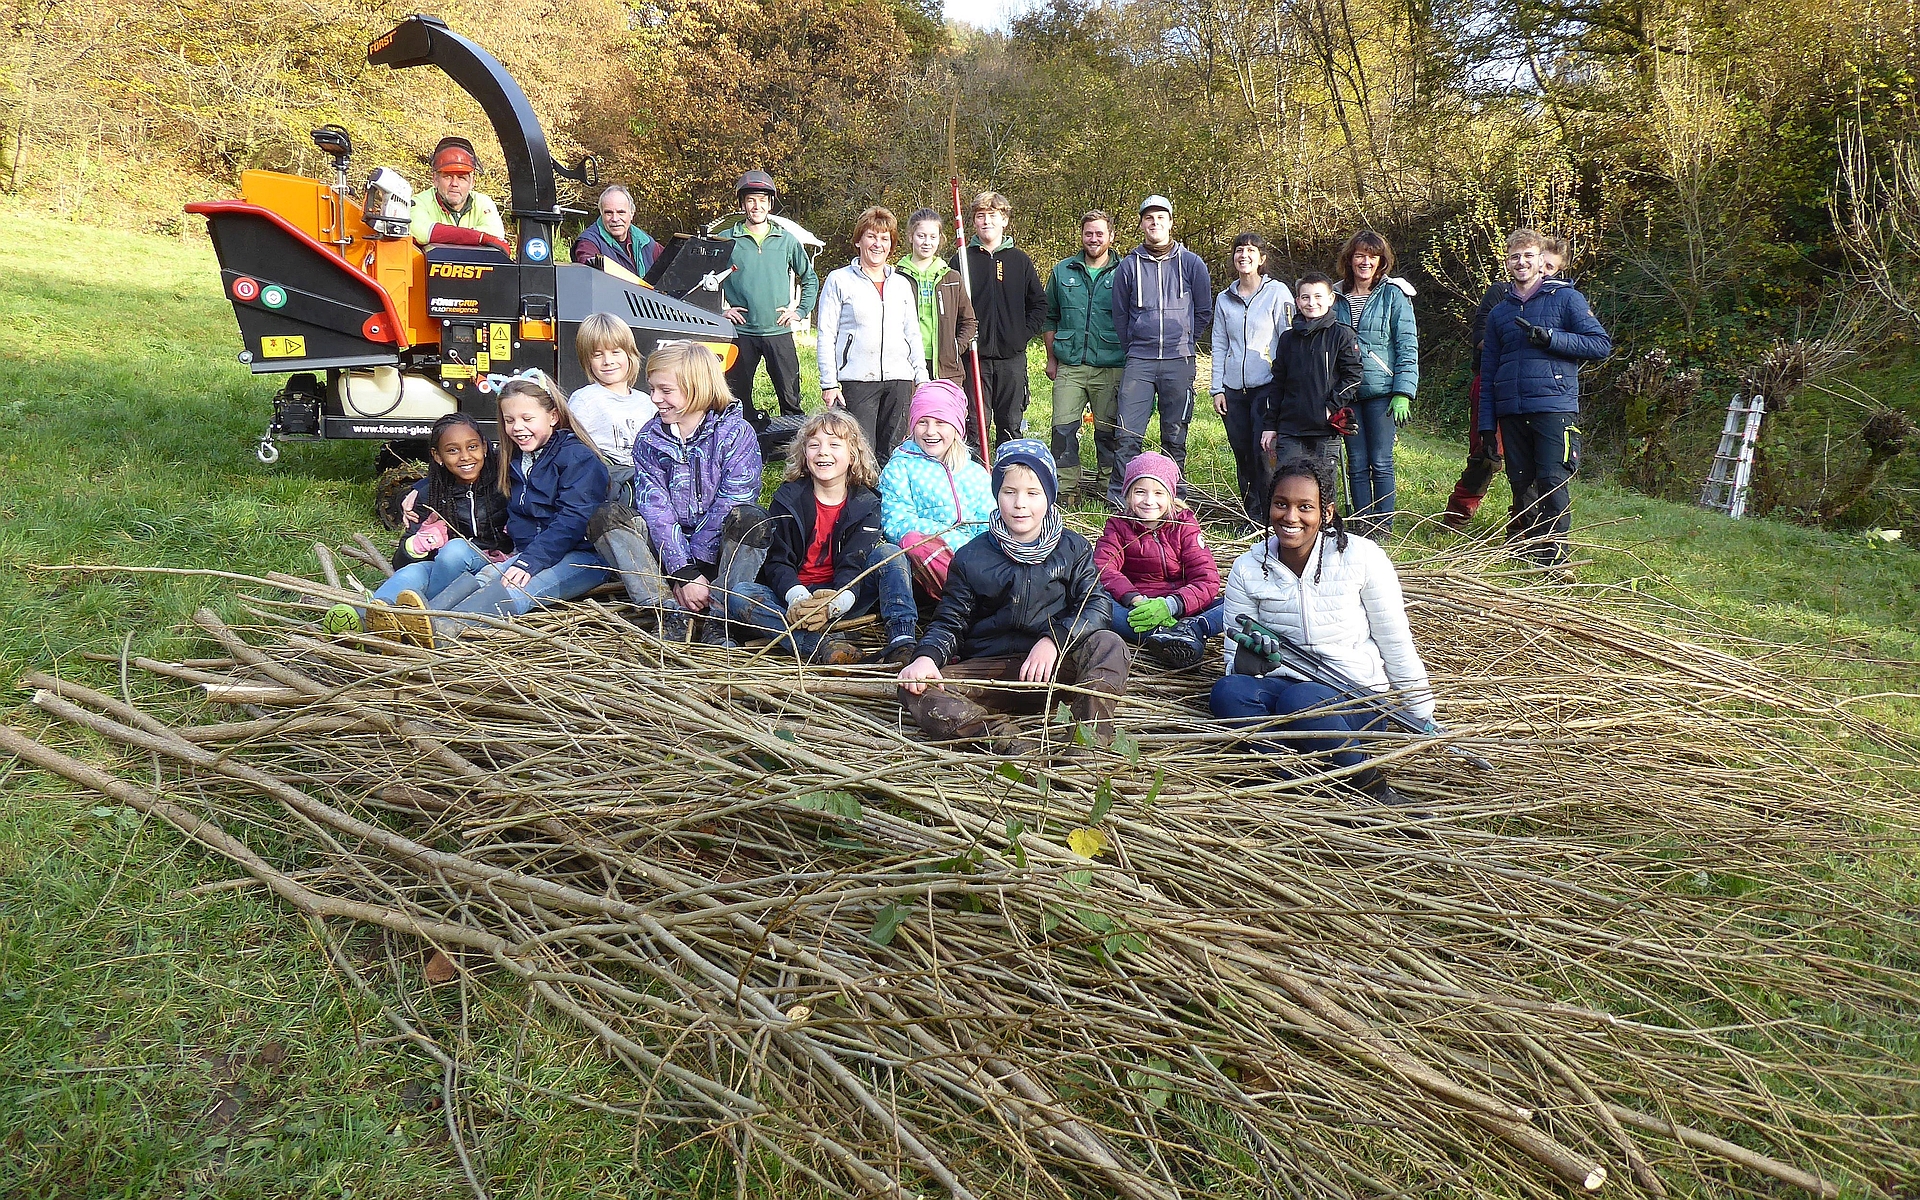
(694,464)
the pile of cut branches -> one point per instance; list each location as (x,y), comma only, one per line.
(1653,949)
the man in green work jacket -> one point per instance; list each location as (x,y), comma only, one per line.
(1084,358)
(772,288)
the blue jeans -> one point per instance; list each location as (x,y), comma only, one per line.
(1251,699)
(890,586)
(1370,462)
(430,578)
(577,573)
(1213,621)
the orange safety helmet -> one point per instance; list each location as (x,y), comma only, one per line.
(454,156)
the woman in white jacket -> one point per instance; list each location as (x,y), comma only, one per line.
(1247,319)
(870,350)
(1330,592)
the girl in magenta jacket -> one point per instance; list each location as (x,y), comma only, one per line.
(1154,563)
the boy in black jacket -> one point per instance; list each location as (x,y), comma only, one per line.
(1022,603)
(1316,375)
(826,557)
(1011,306)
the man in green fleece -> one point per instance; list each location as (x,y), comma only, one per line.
(772,287)
(1084,358)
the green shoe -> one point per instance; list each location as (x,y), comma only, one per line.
(341,618)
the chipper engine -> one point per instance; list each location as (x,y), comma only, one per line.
(380,337)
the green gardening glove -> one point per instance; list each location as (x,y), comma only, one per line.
(1149,614)
(1402,409)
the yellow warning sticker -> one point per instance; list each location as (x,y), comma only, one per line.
(500,337)
(483,362)
(283,347)
(456,371)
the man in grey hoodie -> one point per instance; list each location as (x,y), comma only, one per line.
(1162,304)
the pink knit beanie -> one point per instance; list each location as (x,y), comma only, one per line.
(940,399)
(1157,466)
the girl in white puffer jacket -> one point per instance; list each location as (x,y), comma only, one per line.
(1333,593)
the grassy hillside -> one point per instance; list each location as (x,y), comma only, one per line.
(163,1034)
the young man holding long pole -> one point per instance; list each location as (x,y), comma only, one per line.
(1011,306)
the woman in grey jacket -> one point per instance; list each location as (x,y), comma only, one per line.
(870,351)
(1380,310)
(1247,320)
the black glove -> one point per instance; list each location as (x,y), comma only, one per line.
(1246,662)
(1537,335)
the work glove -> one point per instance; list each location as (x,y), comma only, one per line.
(1401,408)
(1537,335)
(1151,613)
(811,612)
(1257,642)
(1343,421)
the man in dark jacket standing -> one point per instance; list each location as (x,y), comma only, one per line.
(1537,337)
(772,287)
(1083,352)
(1011,307)
(1162,305)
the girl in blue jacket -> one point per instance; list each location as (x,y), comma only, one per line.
(553,483)
(1379,308)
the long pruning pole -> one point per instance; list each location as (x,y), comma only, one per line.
(966,281)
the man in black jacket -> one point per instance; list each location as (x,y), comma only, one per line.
(1021,603)
(1011,306)
(1316,375)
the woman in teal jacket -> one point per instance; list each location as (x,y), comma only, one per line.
(1379,308)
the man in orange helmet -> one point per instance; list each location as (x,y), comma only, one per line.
(453,214)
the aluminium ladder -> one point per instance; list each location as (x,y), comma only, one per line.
(1727,483)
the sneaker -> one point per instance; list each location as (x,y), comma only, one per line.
(713,632)
(339,619)
(1455,521)
(900,650)
(1181,645)
(410,614)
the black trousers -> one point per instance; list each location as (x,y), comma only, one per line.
(1543,451)
(783,368)
(1246,410)
(881,407)
(1006,382)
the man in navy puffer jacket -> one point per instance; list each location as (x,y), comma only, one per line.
(1537,337)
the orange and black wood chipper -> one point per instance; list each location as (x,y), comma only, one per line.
(380,337)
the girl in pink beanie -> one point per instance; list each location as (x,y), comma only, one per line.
(1156,566)
(934,498)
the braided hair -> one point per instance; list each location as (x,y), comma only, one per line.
(1321,472)
(442,485)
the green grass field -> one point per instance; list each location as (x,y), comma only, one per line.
(161,1035)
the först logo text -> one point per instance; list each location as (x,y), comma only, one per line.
(457,270)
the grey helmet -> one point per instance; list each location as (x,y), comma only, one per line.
(756,181)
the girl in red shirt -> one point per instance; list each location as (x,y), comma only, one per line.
(827,560)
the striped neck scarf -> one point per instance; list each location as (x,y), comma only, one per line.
(1028,553)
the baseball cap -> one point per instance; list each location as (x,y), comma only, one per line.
(1155,201)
